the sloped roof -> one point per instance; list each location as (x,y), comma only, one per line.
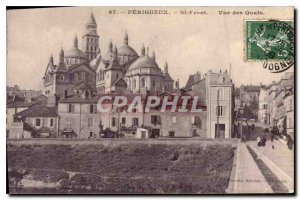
(119,82)
(127,65)
(20,104)
(73,67)
(251,88)
(38,110)
(190,81)
(61,67)
(83,86)
(79,99)
(114,64)
(167,77)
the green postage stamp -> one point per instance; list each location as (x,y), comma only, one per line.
(269,40)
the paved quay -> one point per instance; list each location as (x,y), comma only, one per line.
(248,177)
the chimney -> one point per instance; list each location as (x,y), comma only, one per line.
(51,101)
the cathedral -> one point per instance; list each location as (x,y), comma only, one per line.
(88,71)
(81,76)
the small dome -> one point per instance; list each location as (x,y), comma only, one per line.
(127,50)
(144,62)
(75,53)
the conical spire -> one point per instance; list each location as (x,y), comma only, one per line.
(61,56)
(143,50)
(147,51)
(51,59)
(153,55)
(126,38)
(75,42)
(166,67)
(92,19)
(115,52)
(110,45)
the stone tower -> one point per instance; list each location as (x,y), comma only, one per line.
(90,40)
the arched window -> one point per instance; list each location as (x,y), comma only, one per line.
(143,82)
(153,83)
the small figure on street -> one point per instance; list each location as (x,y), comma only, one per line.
(240,130)
(258,139)
(249,130)
(243,138)
(236,131)
(289,142)
(252,128)
(263,141)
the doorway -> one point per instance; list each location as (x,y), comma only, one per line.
(155,133)
(144,134)
(221,132)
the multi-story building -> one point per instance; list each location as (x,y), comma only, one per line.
(289,111)
(220,104)
(81,77)
(249,94)
(262,105)
(40,120)
(15,105)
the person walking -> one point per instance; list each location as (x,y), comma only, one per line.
(234,130)
(263,141)
(258,139)
(243,138)
(240,130)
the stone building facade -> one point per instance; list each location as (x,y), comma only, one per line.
(220,104)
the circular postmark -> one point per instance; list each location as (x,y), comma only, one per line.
(273,43)
(281,46)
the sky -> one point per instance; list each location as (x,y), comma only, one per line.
(189,43)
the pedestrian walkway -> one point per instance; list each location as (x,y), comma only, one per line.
(280,155)
(280,160)
(248,177)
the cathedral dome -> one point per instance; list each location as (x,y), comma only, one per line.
(144,62)
(75,53)
(127,50)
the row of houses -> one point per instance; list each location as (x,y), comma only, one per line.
(76,115)
(276,104)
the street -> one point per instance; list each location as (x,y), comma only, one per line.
(271,168)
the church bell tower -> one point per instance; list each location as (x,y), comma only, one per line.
(90,40)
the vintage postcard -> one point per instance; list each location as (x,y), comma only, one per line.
(150,100)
